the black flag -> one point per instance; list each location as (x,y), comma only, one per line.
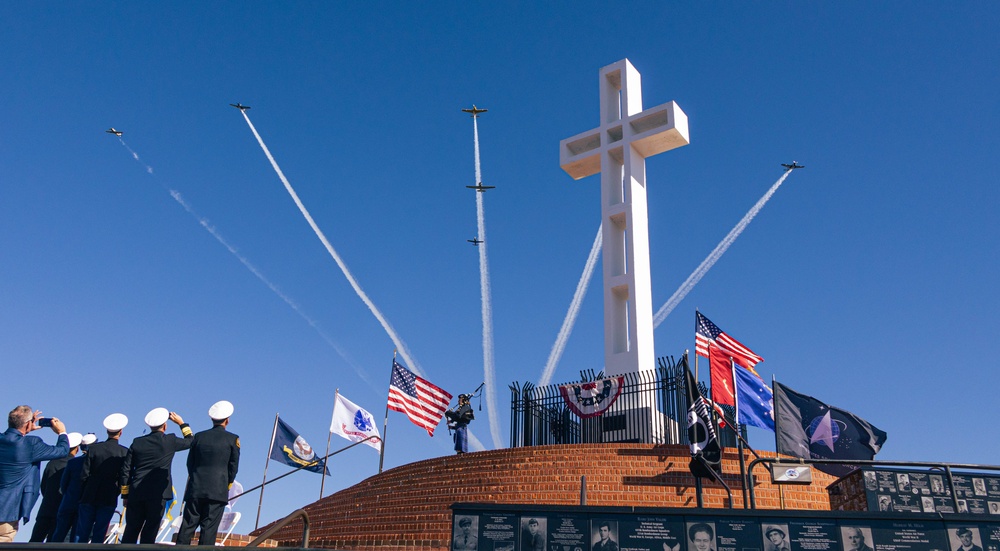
(701,430)
(810,429)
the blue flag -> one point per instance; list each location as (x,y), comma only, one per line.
(291,449)
(755,400)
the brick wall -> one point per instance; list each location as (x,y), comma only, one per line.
(407,508)
(848,493)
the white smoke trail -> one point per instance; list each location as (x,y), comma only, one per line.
(253,269)
(404,351)
(489,371)
(574,310)
(474,442)
(149,169)
(714,256)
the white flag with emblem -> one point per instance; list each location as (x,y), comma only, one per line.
(354,423)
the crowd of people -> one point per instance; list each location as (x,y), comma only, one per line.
(83,479)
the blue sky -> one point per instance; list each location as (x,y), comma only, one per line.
(865,281)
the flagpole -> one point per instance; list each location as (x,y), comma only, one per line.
(328,437)
(267,461)
(696,344)
(385,424)
(739,437)
(774,409)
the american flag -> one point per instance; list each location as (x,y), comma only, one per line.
(707,333)
(420,400)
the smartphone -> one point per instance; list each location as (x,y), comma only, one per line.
(45,422)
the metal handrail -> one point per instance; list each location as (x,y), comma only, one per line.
(285,522)
(946,466)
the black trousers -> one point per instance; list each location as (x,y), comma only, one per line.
(142,520)
(204,513)
(44,526)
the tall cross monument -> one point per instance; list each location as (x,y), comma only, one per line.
(618,149)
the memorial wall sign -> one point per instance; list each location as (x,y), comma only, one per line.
(568,528)
(918,491)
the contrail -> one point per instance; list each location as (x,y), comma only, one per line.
(404,351)
(474,442)
(574,310)
(149,169)
(253,269)
(714,256)
(489,372)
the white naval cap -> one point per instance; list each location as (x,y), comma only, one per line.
(74,439)
(115,422)
(220,410)
(157,417)
(89,438)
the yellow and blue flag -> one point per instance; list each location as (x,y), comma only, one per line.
(291,449)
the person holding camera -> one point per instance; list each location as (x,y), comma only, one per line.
(20,465)
(458,420)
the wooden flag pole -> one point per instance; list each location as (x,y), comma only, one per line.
(267,461)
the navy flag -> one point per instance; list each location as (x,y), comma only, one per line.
(701,430)
(810,429)
(291,449)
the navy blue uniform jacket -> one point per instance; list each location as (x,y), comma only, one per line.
(212,464)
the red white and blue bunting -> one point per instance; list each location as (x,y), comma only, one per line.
(592,398)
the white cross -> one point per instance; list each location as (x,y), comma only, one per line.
(618,149)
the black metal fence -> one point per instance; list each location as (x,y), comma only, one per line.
(652,408)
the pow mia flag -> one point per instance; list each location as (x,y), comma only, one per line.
(701,430)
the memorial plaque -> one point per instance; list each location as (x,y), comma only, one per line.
(908,536)
(991,536)
(568,533)
(929,492)
(533,532)
(651,534)
(729,534)
(814,535)
(497,532)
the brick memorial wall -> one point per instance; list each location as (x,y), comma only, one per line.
(408,507)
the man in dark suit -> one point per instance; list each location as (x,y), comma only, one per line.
(606,542)
(212,464)
(20,466)
(99,483)
(854,539)
(531,538)
(45,520)
(70,488)
(965,537)
(145,475)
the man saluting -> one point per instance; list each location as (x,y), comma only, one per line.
(212,464)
